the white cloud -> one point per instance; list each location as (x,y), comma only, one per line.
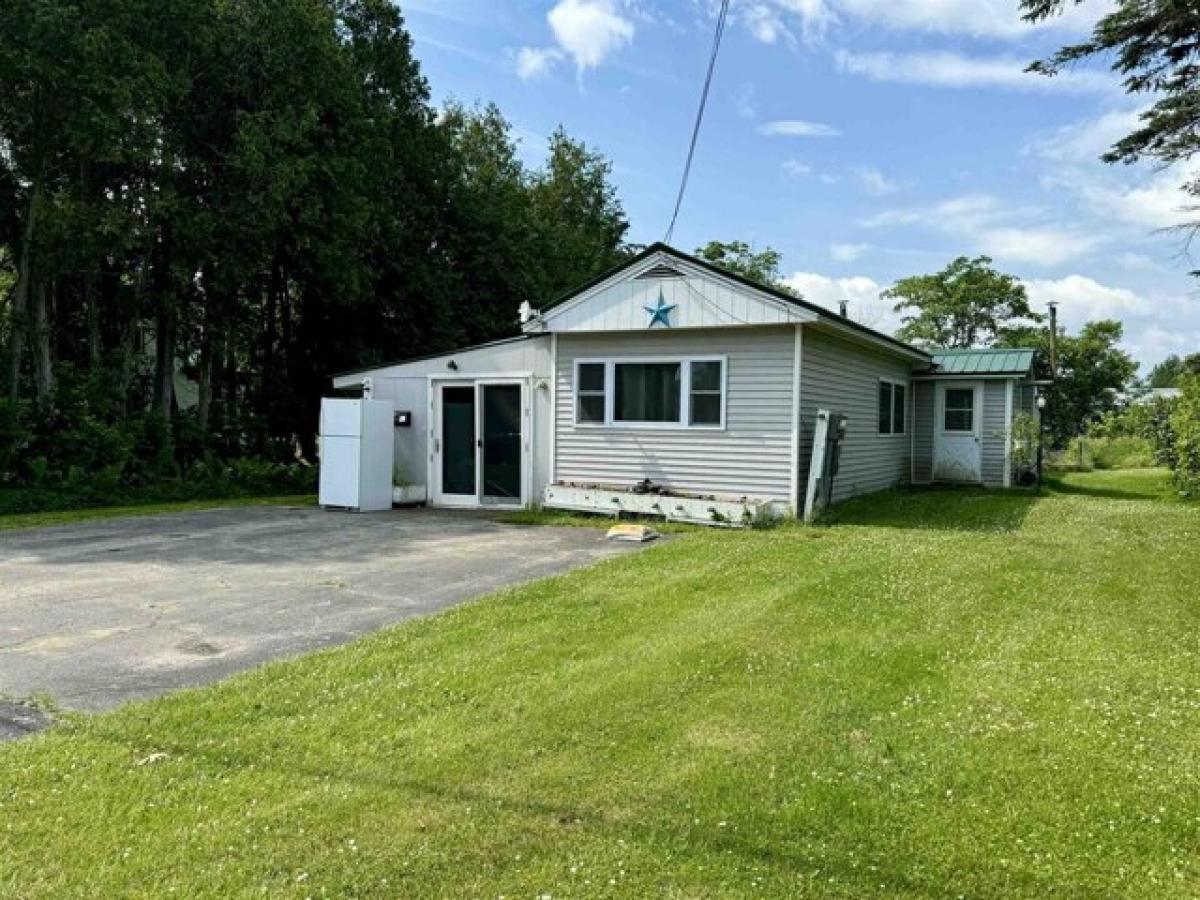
(1117,195)
(797,128)
(1155,326)
(1082,299)
(744,102)
(875,182)
(796,169)
(981,224)
(966,213)
(1085,141)
(589,30)
(953,70)
(848,252)
(1039,246)
(861,295)
(1137,261)
(535,62)
(1154,343)
(1149,203)
(768,20)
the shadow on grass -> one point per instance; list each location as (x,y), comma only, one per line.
(939,509)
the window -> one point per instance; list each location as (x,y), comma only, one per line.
(893,407)
(959,414)
(589,398)
(657,392)
(704,399)
(648,392)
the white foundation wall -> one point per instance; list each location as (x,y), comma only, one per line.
(407,385)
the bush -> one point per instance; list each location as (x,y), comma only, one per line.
(1087,453)
(89,451)
(1185,424)
(1150,422)
(213,480)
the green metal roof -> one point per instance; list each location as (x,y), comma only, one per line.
(982,362)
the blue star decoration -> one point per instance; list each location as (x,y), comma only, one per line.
(660,313)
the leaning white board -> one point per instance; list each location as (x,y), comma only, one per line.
(816,467)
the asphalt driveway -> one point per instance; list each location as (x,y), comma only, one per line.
(97,614)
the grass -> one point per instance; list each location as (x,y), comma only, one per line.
(73,516)
(944,694)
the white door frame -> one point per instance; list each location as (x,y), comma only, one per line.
(941,436)
(477,382)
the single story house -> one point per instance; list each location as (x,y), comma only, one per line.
(674,371)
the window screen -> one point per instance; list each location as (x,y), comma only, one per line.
(647,392)
(960,410)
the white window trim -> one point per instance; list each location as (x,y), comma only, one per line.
(605,392)
(894,382)
(611,423)
(976,411)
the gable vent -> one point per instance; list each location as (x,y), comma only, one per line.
(660,271)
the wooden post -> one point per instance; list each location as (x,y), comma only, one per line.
(1053,341)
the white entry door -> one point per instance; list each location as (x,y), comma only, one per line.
(479,452)
(958,445)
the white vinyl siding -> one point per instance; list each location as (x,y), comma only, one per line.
(844,377)
(994,433)
(923,414)
(750,457)
(407,385)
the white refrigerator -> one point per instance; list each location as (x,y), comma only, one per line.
(357,452)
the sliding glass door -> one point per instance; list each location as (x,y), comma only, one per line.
(479,444)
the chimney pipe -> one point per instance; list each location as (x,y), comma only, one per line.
(843,307)
(1053,341)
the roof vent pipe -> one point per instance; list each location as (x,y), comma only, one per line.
(843,307)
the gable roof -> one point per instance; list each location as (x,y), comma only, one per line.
(822,314)
(1017,361)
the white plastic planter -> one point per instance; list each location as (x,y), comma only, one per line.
(726,512)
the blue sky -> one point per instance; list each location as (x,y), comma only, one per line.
(864,139)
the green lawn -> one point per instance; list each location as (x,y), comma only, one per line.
(948,693)
(71,516)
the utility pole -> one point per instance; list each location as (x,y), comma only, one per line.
(1053,341)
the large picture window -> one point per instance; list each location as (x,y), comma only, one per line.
(678,393)
(648,392)
(893,407)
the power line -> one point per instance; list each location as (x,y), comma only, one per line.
(712,64)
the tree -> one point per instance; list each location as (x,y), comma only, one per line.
(1092,372)
(1167,374)
(1152,45)
(578,219)
(761,267)
(967,304)
(179,197)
